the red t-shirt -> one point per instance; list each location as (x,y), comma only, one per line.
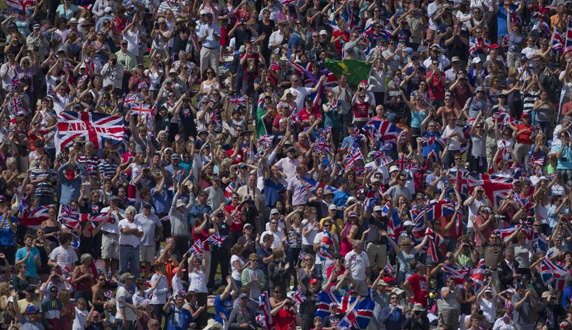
(285,320)
(345,38)
(237,220)
(436,86)
(420,289)
(524,137)
(361,111)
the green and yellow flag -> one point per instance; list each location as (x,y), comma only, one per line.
(355,70)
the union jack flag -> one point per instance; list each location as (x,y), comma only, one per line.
(479,45)
(402,162)
(505,233)
(353,157)
(197,249)
(265,140)
(394,226)
(216,239)
(388,268)
(478,274)
(557,41)
(95,127)
(568,46)
(15,84)
(551,272)
(130,99)
(33,217)
(108,294)
(461,180)
(313,185)
(457,274)
(141,109)
(359,315)
(230,189)
(435,242)
(325,244)
(21,5)
(288,2)
(382,130)
(237,100)
(265,309)
(298,297)
(16,105)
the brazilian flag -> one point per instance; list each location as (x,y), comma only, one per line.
(355,70)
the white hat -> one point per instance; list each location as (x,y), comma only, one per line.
(377,208)
(436,45)
(350,199)
(393,169)
(73,20)
(81,20)
(203,12)
(332,207)
(107,10)
(408,223)
(324,32)
(476,60)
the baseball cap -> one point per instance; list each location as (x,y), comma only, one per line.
(408,223)
(323,33)
(274,211)
(175,156)
(126,276)
(377,209)
(393,169)
(107,10)
(332,207)
(314,281)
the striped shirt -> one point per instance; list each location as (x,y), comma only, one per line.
(43,188)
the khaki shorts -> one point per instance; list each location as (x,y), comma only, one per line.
(147,253)
(110,246)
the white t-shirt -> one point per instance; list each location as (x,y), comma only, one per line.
(489,308)
(357,263)
(197,282)
(65,258)
(236,275)
(129,239)
(308,240)
(277,243)
(455,142)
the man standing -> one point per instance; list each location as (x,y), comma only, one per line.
(209,36)
(110,239)
(64,257)
(358,264)
(130,234)
(152,232)
(51,308)
(125,315)
(28,255)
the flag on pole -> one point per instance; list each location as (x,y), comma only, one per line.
(216,239)
(568,46)
(265,309)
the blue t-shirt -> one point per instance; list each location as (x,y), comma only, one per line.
(564,161)
(179,319)
(6,234)
(222,306)
(31,262)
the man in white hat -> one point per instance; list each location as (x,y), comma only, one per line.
(209,36)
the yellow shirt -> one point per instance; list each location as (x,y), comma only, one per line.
(559,23)
(337,225)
